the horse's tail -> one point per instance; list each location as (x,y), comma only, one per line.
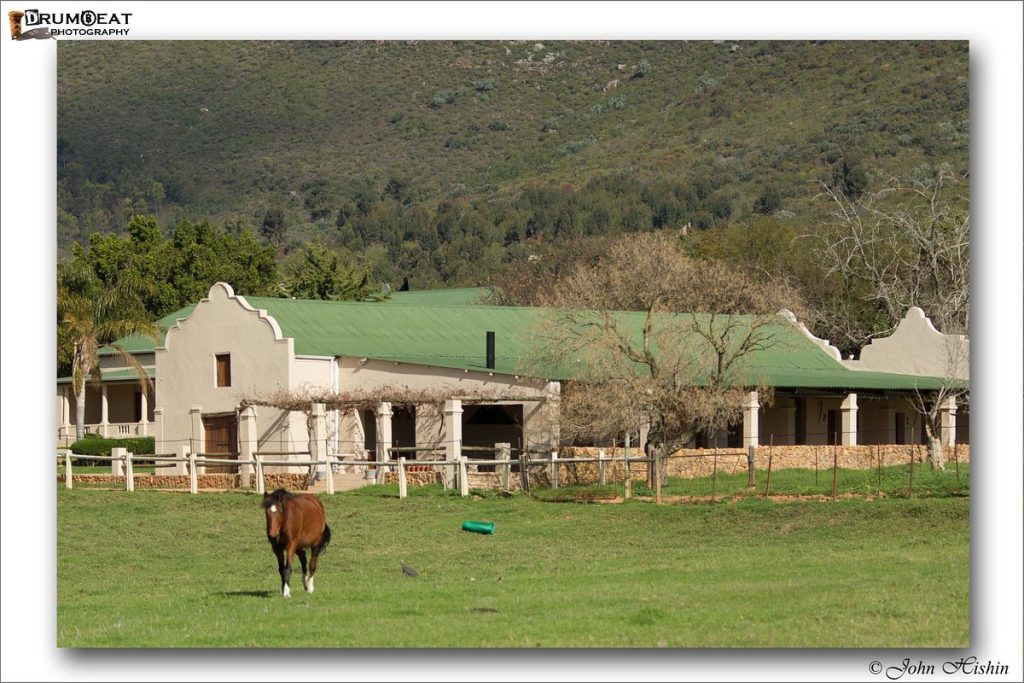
(325,538)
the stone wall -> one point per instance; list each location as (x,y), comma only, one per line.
(700,462)
(292,482)
(853,457)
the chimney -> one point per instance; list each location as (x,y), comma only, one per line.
(490,350)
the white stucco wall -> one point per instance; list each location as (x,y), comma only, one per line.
(916,348)
(260,363)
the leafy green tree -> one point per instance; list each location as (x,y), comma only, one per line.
(274,228)
(322,273)
(171,273)
(91,317)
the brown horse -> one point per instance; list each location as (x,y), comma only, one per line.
(295,522)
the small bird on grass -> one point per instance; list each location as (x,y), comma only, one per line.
(407,570)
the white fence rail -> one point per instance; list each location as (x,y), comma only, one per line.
(195,461)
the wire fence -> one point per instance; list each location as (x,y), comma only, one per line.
(769,471)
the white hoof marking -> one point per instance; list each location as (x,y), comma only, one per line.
(286,593)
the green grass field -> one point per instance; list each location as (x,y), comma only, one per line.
(161,569)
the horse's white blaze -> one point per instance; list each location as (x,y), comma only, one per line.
(286,593)
(273,508)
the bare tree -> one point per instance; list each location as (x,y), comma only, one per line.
(654,337)
(907,245)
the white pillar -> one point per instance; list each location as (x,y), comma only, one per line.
(144,413)
(65,411)
(383,437)
(246,442)
(104,411)
(158,431)
(198,434)
(750,414)
(452,438)
(947,421)
(848,437)
(318,442)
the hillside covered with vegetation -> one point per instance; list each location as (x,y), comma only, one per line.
(468,163)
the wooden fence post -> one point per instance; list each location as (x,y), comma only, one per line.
(129,472)
(957,461)
(463,477)
(878,452)
(505,455)
(330,472)
(768,482)
(910,490)
(714,477)
(261,486)
(403,487)
(751,472)
(835,469)
(67,470)
(627,484)
(656,462)
(524,469)
(193,476)
(600,467)
(815,465)
(554,469)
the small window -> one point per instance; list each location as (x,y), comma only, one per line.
(223,369)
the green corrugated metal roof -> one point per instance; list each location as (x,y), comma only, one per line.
(115,374)
(453,336)
(441,297)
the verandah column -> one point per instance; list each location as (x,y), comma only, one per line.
(247,443)
(947,422)
(384,414)
(848,437)
(750,424)
(318,443)
(65,411)
(104,411)
(452,438)
(144,413)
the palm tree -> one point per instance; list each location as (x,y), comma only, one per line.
(90,317)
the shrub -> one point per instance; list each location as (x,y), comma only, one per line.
(483,86)
(443,97)
(100,446)
(497,125)
(642,69)
(769,201)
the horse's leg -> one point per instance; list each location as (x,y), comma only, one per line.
(289,553)
(279,551)
(315,554)
(302,560)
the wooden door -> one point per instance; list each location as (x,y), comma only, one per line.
(221,439)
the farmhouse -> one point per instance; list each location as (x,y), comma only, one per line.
(220,353)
